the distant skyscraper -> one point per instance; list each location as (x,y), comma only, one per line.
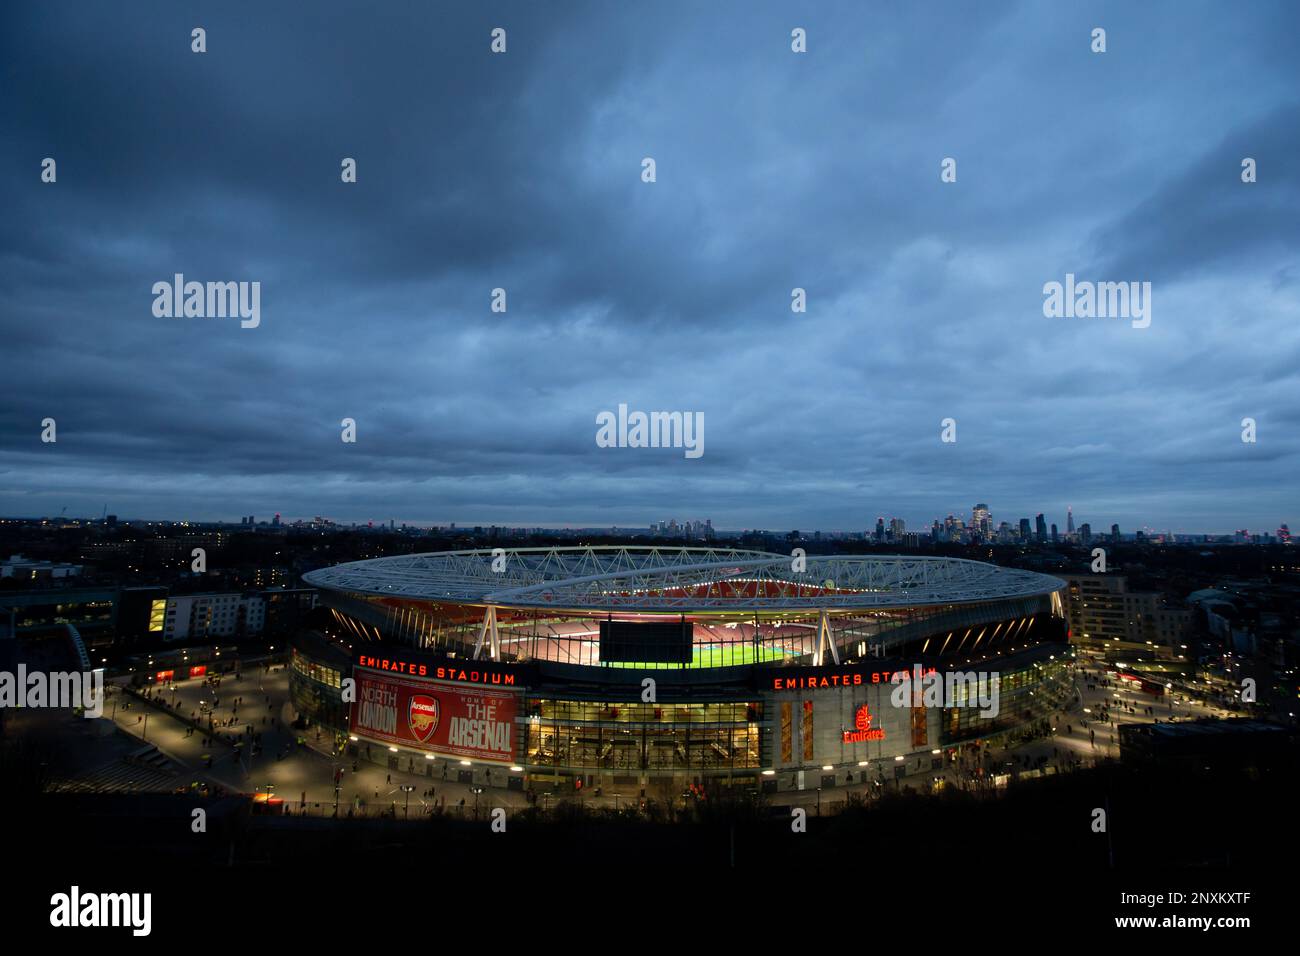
(980,518)
(1040,527)
(880,530)
(1069,520)
(1024,529)
(1114,533)
(1085,534)
(1054,536)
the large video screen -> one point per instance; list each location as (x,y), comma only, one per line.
(633,642)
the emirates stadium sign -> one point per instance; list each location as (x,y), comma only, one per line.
(445,718)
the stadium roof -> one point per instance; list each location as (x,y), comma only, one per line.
(683,580)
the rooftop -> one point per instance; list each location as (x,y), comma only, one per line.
(680,579)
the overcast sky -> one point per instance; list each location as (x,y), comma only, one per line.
(775,170)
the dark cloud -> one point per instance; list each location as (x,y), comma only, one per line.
(774,171)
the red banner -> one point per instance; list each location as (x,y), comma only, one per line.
(431,715)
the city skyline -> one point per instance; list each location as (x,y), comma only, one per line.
(1102,528)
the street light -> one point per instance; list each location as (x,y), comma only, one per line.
(338,783)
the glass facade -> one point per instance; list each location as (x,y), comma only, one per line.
(315,690)
(631,739)
(1024,694)
(35,616)
(313,670)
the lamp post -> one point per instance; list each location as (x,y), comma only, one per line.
(407,788)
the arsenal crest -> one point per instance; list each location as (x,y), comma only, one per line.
(422,716)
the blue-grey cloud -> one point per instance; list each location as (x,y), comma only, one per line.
(775,170)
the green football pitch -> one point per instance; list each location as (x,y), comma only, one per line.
(720,655)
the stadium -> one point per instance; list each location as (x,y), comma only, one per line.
(636,667)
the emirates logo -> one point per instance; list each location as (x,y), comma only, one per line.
(863,731)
